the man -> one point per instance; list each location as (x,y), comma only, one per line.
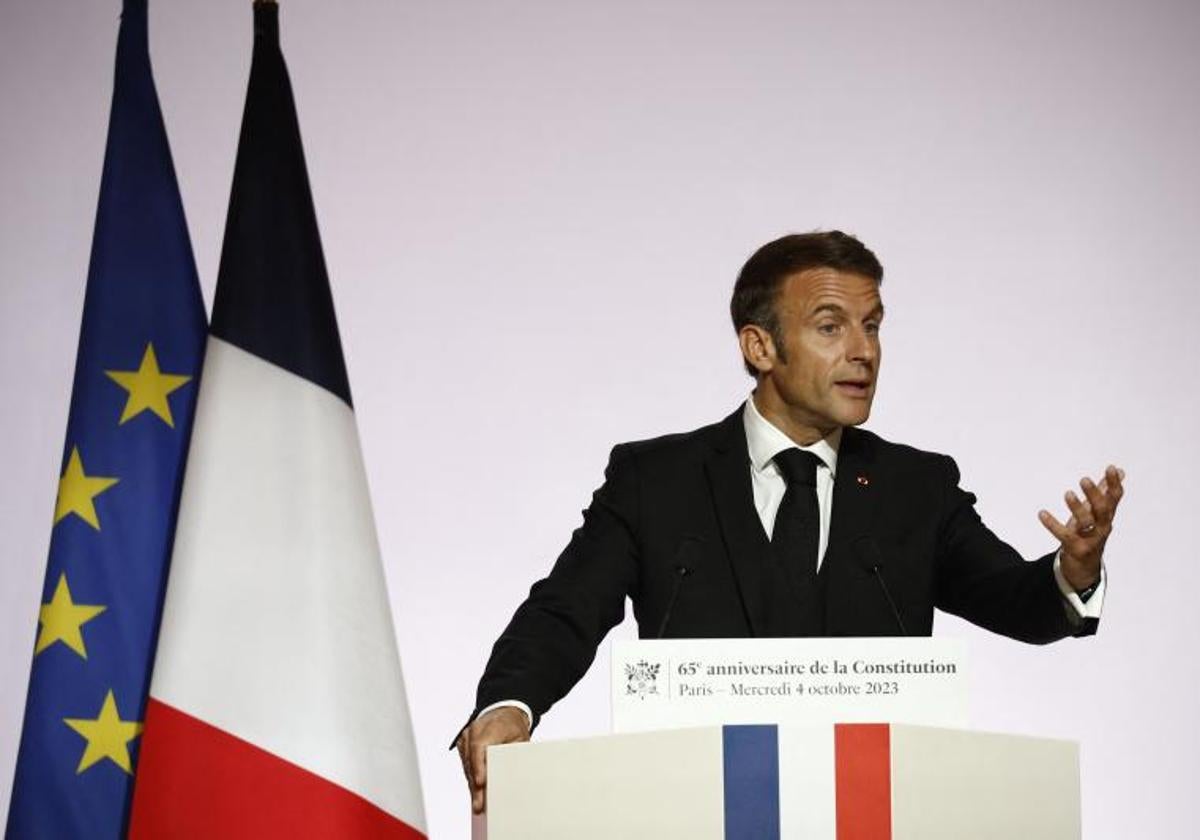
(866,537)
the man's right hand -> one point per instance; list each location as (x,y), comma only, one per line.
(503,725)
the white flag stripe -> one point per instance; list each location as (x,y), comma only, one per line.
(807,802)
(293,648)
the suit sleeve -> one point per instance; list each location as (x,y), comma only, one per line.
(984,580)
(552,638)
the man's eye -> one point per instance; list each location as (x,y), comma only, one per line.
(872,327)
(828,329)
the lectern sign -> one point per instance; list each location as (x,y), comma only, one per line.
(671,683)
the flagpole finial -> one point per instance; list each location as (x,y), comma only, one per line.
(266,21)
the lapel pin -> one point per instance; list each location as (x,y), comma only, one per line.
(863,480)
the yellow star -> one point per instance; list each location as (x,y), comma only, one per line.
(62,619)
(77,490)
(148,388)
(107,736)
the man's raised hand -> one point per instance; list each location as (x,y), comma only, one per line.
(1083,536)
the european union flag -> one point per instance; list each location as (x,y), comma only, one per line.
(141,346)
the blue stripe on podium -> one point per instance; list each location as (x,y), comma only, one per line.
(751,757)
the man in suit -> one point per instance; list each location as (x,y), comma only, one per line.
(785,519)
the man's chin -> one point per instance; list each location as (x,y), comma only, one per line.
(854,415)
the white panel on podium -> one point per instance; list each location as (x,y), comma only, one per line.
(671,683)
(606,788)
(948,784)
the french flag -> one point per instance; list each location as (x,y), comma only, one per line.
(277,706)
(843,785)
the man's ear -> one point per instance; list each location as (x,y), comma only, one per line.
(758,348)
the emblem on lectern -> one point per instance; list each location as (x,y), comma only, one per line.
(641,678)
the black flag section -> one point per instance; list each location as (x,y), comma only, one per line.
(273,297)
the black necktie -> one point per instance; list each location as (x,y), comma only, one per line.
(797,533)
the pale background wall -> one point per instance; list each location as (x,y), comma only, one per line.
(532,214)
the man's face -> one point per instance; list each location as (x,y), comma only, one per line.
(825,375)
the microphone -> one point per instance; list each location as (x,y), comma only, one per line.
(682,570)
(871,559)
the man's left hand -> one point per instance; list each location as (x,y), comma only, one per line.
(1083,536)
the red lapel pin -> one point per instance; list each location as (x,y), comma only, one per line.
(863,480)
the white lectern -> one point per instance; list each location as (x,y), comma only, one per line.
(755,782)
(804,774)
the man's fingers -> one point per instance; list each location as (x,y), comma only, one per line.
(1114,484)
(1105,497)
(1055,527)
(1098,501)
(479,763)
(471,751)
(1081,511)
(479,776)
(464,755)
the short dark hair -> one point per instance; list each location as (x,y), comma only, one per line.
(759,281)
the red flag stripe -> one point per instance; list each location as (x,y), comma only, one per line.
(196,781)
(863,774)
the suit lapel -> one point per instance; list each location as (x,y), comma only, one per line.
(855,495)
(728,472)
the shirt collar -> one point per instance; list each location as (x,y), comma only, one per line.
(765,440)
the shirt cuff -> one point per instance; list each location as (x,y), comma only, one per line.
(517,704)
(1080,608)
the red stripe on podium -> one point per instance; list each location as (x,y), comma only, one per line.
(863,773)
(197,781)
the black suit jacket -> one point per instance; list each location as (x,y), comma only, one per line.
(675,521)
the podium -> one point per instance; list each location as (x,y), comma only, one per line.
(760,782)
(773,739)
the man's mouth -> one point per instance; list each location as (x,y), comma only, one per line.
(854,387)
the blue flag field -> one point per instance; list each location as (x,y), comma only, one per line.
(141,346)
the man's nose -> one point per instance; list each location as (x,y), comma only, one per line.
(862,346)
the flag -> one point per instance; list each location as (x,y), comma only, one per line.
(277,707)
(141,343)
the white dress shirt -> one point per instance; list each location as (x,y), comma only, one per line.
(764,440)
